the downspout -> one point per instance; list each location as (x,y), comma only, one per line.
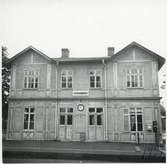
(56,112)
(105,99)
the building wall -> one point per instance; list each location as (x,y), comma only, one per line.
(48,99)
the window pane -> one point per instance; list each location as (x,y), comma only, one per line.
(25,82)
(62,109)
(69,82)
(132,80)
(31,125)
(99,110)
(70,110)
(36,82)
(63,85)
(91,110)
(99,119)
(26,109)
(32,117)
(141,80)
(98,82)
(133,122)
(92,84)
(139,122)
(29,82)
(32,110)
(62,119)
(136,82)
(91,120)
(69,119)
(25,117)
(128,81)
(25,125)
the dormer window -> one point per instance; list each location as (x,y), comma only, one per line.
(95,79)
(31,79)
(134,78)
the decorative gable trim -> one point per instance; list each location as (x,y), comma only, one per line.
(25,50)
(160,59)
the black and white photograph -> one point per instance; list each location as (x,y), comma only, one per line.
(83,81)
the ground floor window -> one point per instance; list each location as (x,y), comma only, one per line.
(29,118)
(134,118)
(66,116)
(95,116)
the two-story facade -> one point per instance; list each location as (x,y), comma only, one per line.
(113,98)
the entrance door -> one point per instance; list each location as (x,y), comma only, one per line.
(95,124)
(65,123)
(80,127)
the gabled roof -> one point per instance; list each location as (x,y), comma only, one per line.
(161,60)
(25,50)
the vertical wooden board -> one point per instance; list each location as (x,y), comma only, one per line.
(69,133)
(99,134)
(51,119)
(92,133)
(148,116)
(62,132)
(110,119)
(18,119)
(39,119)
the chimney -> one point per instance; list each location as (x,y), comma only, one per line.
(65,53)
(110,51)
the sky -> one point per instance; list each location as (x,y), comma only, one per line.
(86,27)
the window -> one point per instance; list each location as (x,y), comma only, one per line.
(31,79)
(134,78)
(95,116)
(66,116)
(126,120)
(29,118)
(95,79)
(66,79)
(136,121)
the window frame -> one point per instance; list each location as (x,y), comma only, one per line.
(96,114)
(139,74)
(95,80)
(29,113)
(66,113)
(67,75)
(28,76)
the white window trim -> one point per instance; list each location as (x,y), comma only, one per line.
(136,118)
(29,130)
(95,114)
(95,70)
(129,129)
(28,70)
(138,77)
(66,114)
(66,71)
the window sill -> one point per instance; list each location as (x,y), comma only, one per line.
(31,89)
(28,130)
(96,89)
(66,88)
(135,88)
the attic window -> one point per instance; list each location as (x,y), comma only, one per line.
(134,78)
(31,79)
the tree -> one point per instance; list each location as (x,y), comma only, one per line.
(5,83)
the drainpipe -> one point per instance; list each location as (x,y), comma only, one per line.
(56,112)
(105,98)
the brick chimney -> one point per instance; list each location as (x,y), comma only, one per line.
(111,51)
(65,53)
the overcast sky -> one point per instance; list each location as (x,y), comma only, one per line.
(86,27)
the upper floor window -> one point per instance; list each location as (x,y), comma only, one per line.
(66,79)
(29,118)
(134,78)
(96,116)
(31,79)
(66,116)
(95,79)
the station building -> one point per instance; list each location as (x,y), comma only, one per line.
(113,98)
